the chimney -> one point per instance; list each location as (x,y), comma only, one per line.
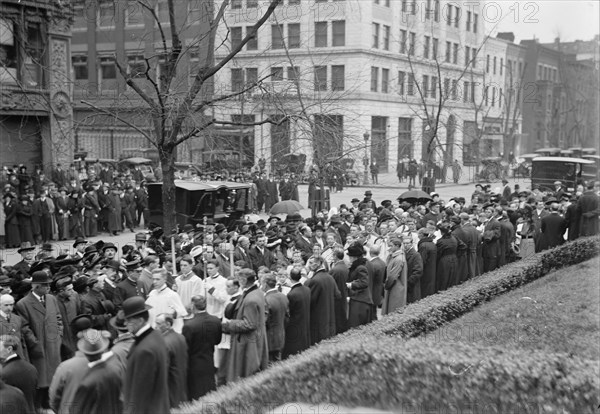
(509,36)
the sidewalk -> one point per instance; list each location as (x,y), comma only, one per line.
(390,180)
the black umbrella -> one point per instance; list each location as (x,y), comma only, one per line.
(414,196)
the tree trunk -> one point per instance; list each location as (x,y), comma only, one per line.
(166,156)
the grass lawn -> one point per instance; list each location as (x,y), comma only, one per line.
(557,313)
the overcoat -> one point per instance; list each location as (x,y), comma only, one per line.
(472,240)
(322,305)
(249,352)
(588,211)
(339,272)
(278,313)
(25,217)
(360,308)
(428,252)
(491,248)
(20,328)
(553,229)
(11,224)
(414,272)
(178,365)
(21,374)
(447,262)
(202,333)
(47,325)
(395,282)
(100,390)
(297,331)
(376,268)
(146,387)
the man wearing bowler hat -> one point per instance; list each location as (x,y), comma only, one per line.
(27,255)
(146,386)
(368,202)
(79,245)
(40,310)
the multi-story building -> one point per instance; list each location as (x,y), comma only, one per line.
(36,118)
(372,79)
(110,116)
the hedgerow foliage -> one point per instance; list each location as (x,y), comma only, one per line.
(376,366)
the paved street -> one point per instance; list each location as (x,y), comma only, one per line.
(388,188)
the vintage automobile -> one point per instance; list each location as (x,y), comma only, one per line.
(570,171)
(144,164)
(224,202)
(493,170)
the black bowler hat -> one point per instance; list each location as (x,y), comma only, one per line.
(79,240)
(134,306)
(40,277)
(356,250)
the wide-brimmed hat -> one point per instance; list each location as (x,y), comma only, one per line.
(25,246)
(109,245)
(118,322)
(134,306)
(5,280)
(140,237)
(93,342)
(368,193)
(80,284)
(47,247)
(78,241)
(356,250)
(112,264)
(40,277)
(81,322)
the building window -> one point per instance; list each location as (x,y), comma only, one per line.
(467,56)
(410,85)
(434,87)
(337,78)
(251,76)
(475,22)
(493,96)
(236,36)
(468,21)
(425,86)
(401,81)
(236,4)
(251,4)
(294,35)
(134,15)
(293,73)
(473,84)
(457,16)
(374,78)
(277,36)
(237,79)
(426,47)
(501,64)
(253,41)
(108,70)
(80,19)
(376,35)
(455,54)
(106,15)
(446,88)
(494,65)
(80,69)
(320,78)
(338,33)
(402,41)
(404,4)
(500,98)
(404,138)
(276,74)
(448,51)
(413,7)
(137,66)
(454,90)
(162,11)
(411,44)
(385,80)
(466,91)
(436,11)
(386,37)
(486,95)
(487,64)
(320,34)
(434,48)
(449,15)
(473,57)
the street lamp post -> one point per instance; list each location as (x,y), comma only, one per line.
(366,158)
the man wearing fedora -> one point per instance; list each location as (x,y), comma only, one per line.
(146,386)
(368,202)
(27,255)
(40,310)
(100,389)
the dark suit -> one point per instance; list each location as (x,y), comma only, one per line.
(339,272)
(414,270)
(100,389)
(428,251)
(178,366)
(297,331)
(278,313)
(323,292)
(202,333)
(305,246)
(12,399)
(94,303)
(258,259)
(588,209)
(553,228)
(21,374)
(146,376)
(241,254)
(376,268)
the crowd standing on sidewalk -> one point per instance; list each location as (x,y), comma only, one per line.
(147,333)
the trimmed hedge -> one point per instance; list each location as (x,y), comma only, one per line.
(414,379)
(374,366)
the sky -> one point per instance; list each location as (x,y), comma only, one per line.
(546,19)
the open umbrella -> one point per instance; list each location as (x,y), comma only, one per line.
(414,195)
(286,207)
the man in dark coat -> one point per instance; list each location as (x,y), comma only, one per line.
(95,303)
(202,333)
(588,210)
(377,269)
(178,359)
(323,292)
(16,371)
(339,272)
(40,310)
(539,213)
(278,313)
(146,376)
(261,256)
(304,243)
(297,331)
(414,270)
(273,194)
(470,236)
(12,324)
(491,249)
(553,229)
(507,234)
(428,251)
(572,220)
(12,399)
(249,352)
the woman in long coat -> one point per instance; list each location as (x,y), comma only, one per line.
(361,302)
(447,262)
(428,251)
(11,221)
(24,215)
(396,279)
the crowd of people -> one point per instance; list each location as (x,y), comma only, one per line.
(142,328)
